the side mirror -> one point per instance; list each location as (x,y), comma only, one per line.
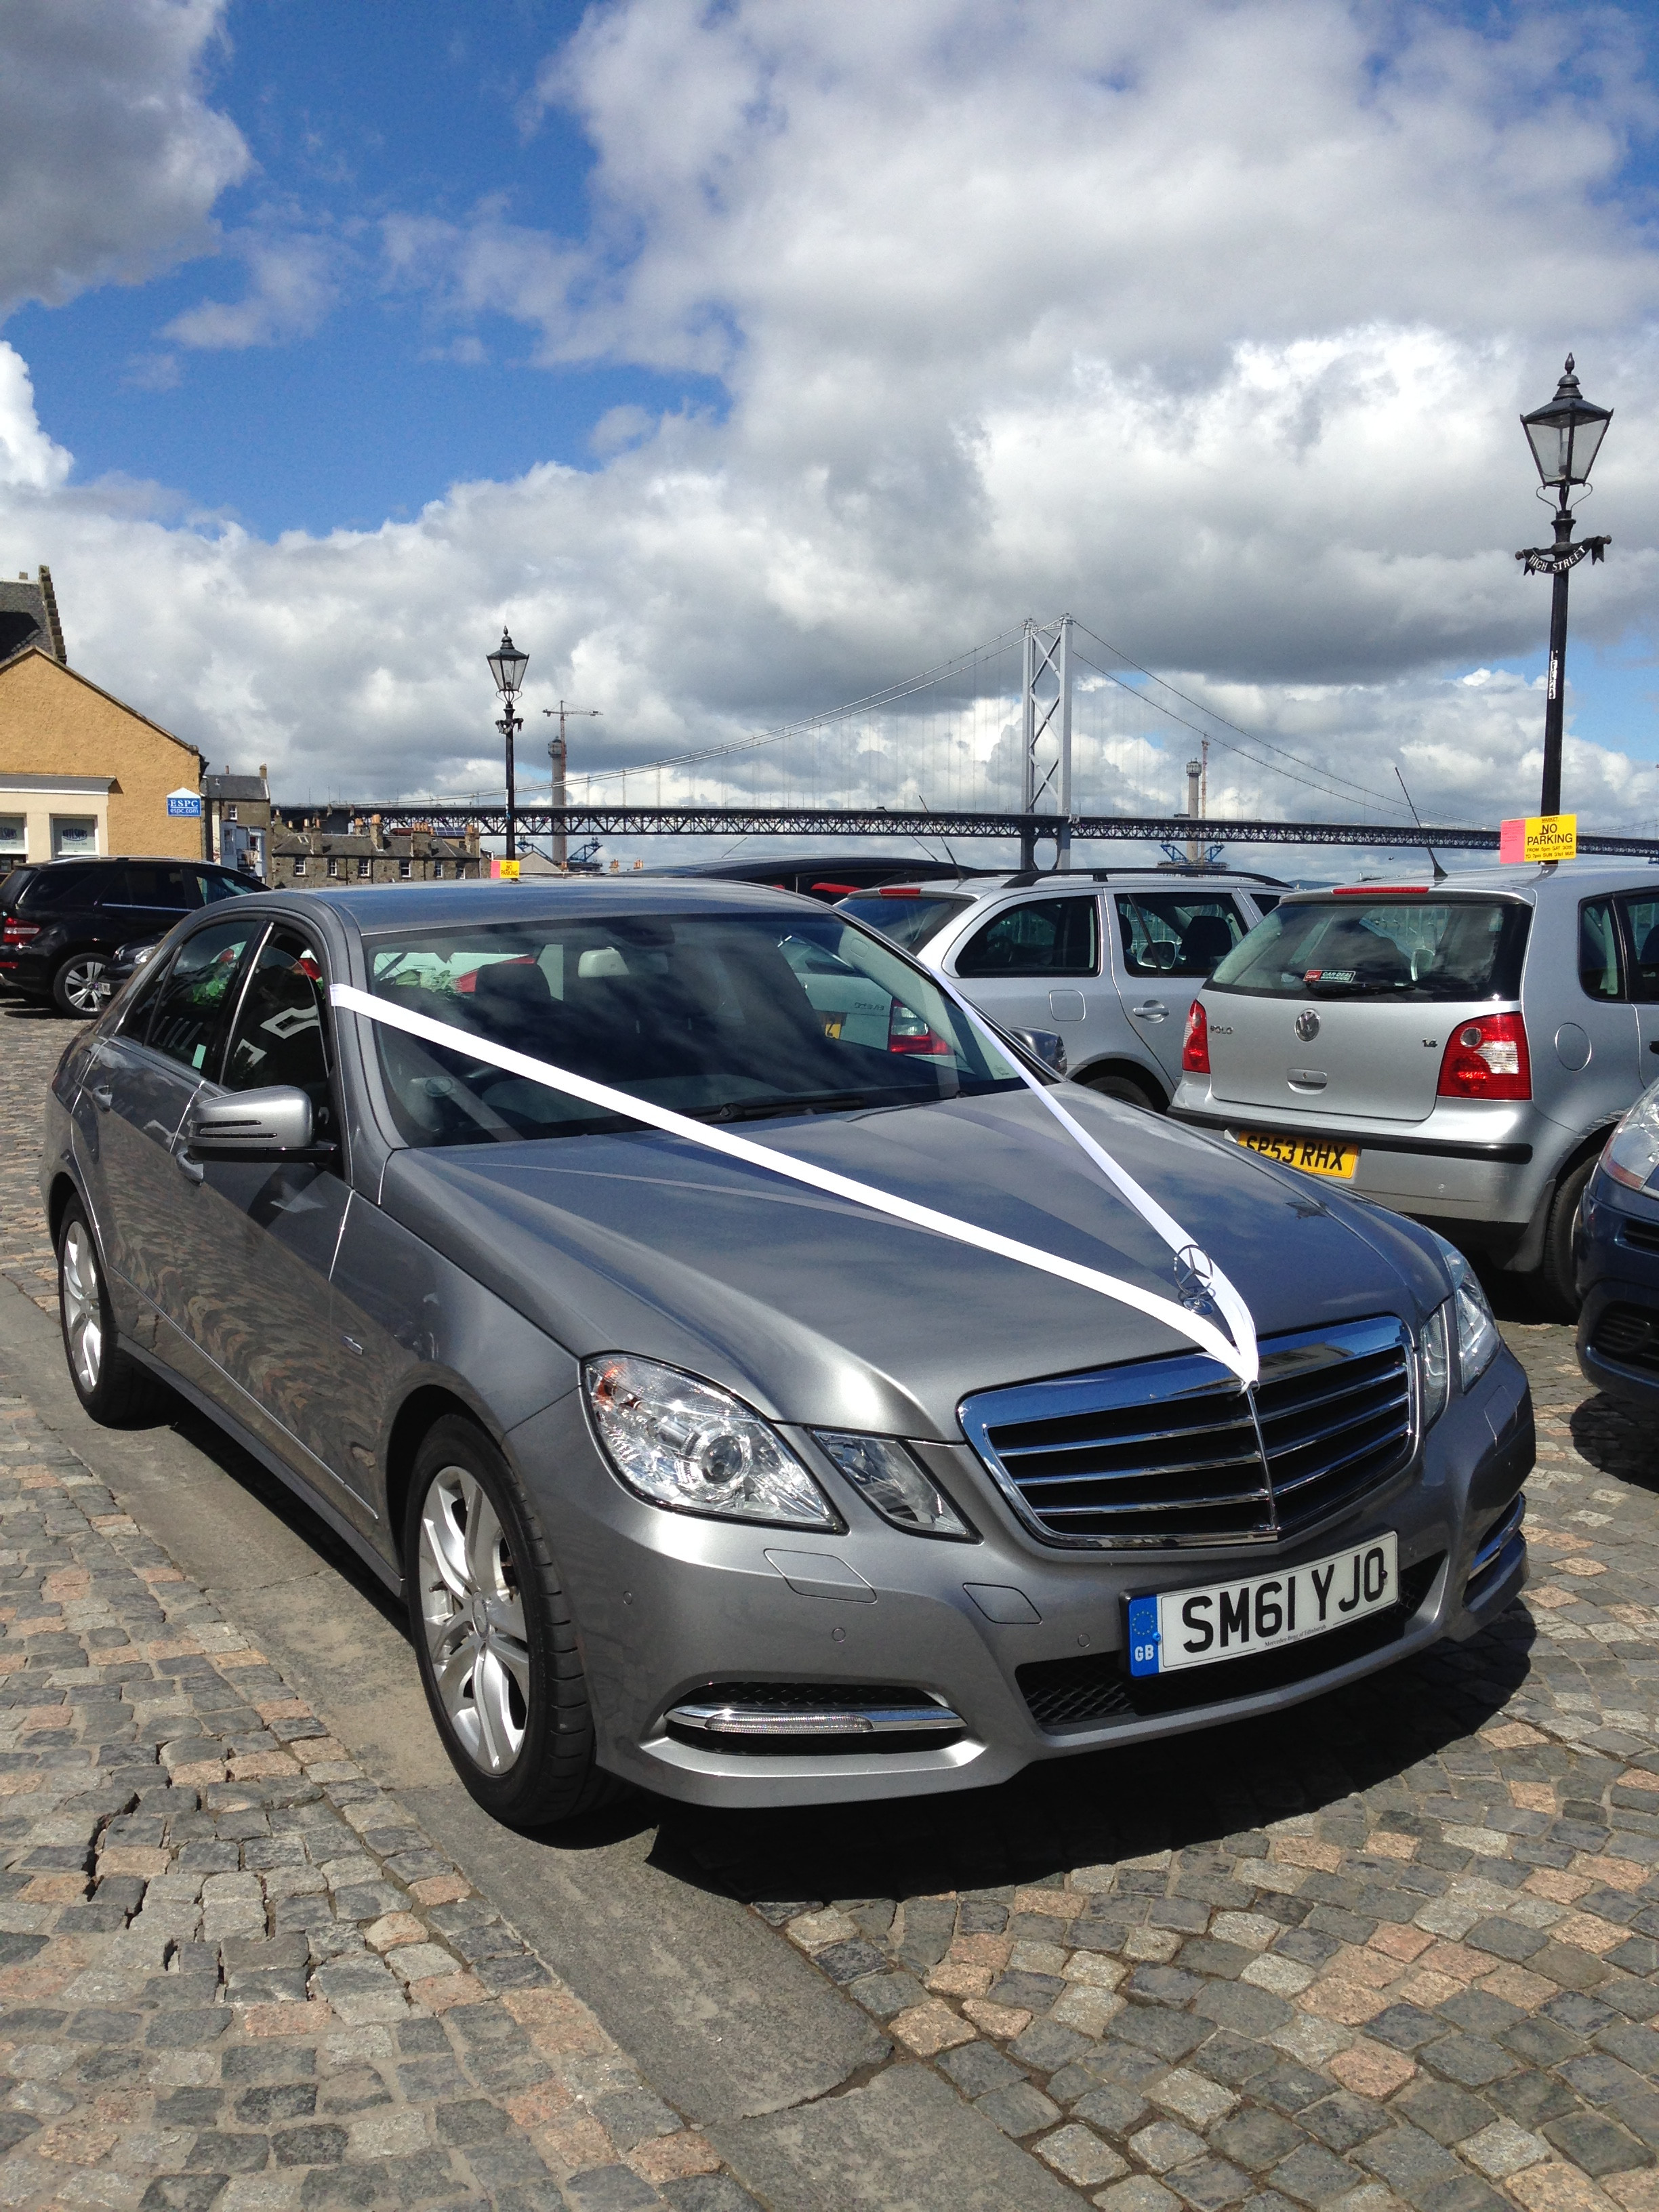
(1047,1047)
(254,1124)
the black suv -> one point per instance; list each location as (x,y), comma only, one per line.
(60,922)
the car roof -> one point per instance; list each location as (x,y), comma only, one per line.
(1530,880)
(143,860)
(1138,879)
(378,908)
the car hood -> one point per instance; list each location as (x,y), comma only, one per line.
(820,1312)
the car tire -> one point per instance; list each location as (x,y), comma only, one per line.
(1555,1282)
(75,984)
(1127,1088)
(511,1704)
(110,1383)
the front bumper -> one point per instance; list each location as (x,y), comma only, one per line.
(669,1606)
(1616,1248)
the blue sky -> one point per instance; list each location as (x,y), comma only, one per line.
(353,110)
(778,349)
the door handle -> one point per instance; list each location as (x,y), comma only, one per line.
(192,1170)
(103,1096)
(1150,1009)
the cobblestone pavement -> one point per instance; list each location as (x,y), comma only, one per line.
(1398,1945)
(1400,1948)
(31,1044)
(233,1969)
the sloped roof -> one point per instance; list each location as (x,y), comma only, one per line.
(74,675)
(250,788)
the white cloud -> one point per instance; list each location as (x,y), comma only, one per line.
(29,461)
(291,287)
(110,160)
(1209,322)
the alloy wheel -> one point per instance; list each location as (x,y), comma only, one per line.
(80,985)
(83,1306)
(472,1610)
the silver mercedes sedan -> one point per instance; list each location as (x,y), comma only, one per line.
(762,1383)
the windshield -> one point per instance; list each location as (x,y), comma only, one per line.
(909,920)
(728,1017)
(1419,949)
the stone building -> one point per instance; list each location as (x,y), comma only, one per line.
(80,771)
(236,820)
(367,853)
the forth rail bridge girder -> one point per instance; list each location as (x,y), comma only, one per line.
(823,823)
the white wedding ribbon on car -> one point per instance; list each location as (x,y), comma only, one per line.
(1238,1353)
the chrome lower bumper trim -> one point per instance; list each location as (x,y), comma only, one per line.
(854,1720)
(1494,1545)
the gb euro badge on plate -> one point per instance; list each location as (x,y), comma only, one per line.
(1172,1629)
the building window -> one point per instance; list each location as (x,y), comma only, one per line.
(334,867)
(73,835)
(14,836)
(405,867)
(230,814)
(437,869)
(299,867)
(364,867)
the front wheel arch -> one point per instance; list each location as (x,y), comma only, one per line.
(419,1414)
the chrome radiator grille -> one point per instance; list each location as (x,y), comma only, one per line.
(1172,1452)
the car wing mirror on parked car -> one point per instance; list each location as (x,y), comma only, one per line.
(255,1125)
(1045,1047)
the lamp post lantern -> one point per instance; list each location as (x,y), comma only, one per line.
(508,665)
(1564,437)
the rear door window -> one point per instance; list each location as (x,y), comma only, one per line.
(1040,937)
(1424,951)
(1175,933)
(1599,964)
(1640,914)
(159,889)
(193,1003)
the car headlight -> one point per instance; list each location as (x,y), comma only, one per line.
(695,1448)
(1478,1341)
(1434,1349)
(1633,1151)
(892,1480)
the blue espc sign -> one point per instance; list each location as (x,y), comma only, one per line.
(184,802)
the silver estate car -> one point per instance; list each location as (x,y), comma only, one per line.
(740,1489)
(1108,961)
(1460,1051)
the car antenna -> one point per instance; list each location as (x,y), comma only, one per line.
(948,854)
(1439,873)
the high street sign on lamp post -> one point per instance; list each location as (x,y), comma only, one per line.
(1564,437)
(508,665)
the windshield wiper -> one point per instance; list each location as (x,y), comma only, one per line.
(758,1110)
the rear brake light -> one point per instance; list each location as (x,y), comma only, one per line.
(1488,1058)
(1380,891)
(908,1032)
(1196,1044)
(831,890)
(18,932)
(900,891)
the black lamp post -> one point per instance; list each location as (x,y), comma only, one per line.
(508,665)
(1564,437)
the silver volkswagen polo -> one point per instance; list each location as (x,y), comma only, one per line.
(519,1228)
